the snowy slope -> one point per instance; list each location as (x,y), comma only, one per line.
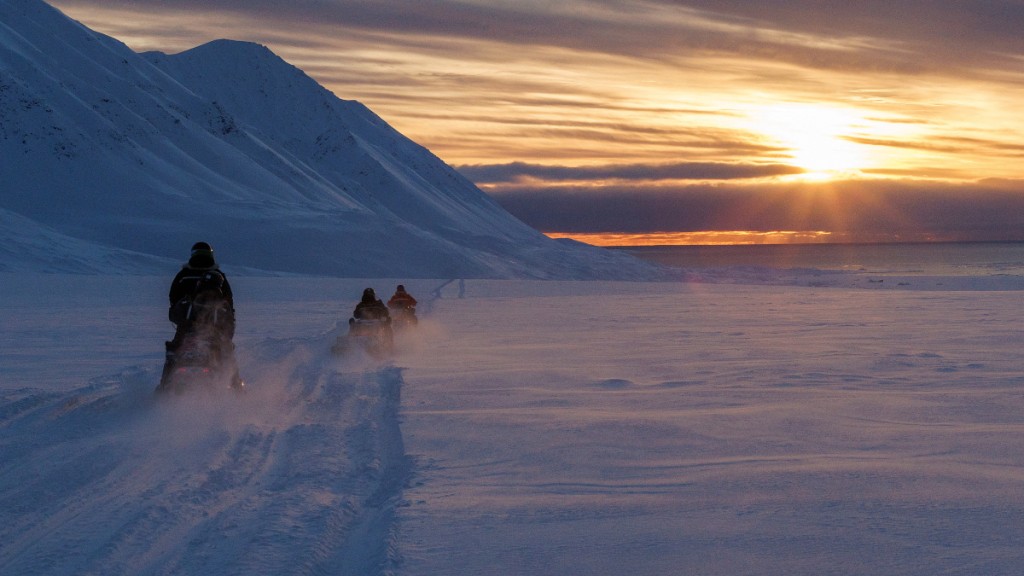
(26,246)
(230,144)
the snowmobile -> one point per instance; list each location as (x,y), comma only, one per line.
(403,317)
(201,362)
(373,335)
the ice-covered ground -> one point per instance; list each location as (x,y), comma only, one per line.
(818,424)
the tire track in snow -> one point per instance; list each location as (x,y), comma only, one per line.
(300,476)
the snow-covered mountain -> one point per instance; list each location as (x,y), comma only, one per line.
(114,160)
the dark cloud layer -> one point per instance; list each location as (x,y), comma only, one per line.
(854,209)
(905,36)
(964,29)
(515,171)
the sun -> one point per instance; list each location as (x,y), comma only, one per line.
(815,137)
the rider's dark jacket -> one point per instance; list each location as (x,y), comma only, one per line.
(184,285)
(185,280)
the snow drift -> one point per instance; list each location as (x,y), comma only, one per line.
(228,143)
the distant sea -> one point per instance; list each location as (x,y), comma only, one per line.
(940,259)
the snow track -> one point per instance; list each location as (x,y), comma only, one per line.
(300,475)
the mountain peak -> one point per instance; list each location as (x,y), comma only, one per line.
(237,47)
(232,60)
(229,143)
(235,52)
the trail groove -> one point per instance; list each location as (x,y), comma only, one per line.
(299,476)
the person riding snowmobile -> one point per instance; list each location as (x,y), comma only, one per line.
(401,299)
(370,307)
(193,289)
(402,306)
(369,327)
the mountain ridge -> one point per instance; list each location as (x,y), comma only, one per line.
(229,143)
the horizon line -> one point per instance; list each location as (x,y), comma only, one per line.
(755,238)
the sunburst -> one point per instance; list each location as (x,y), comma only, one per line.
(816,138)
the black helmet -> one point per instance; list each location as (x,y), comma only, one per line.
(369,295)
(401,288)
(202,256)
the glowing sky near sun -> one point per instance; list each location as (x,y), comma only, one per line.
(696,108)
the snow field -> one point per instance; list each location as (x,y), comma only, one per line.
(709,429)
(524,428)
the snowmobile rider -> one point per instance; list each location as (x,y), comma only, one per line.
(403,308)
(184,284)
(201,267)
(370,307)
(402,300)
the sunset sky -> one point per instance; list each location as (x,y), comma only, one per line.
(770,121)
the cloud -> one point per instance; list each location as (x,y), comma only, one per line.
(922,34)
(949,144)
(869,35)
(856,209)
(516,171)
